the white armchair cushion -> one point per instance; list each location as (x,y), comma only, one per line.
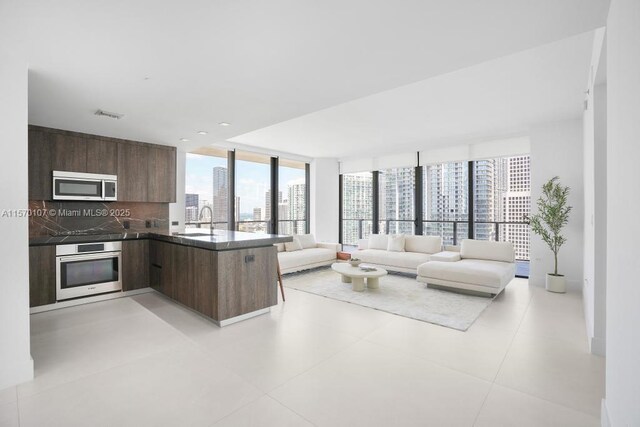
(293,246)
(423,244)
(306,240)
(395,243)
(378,241)
(487,250)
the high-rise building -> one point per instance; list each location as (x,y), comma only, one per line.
(516,202)
(357,207)
(191,207)
(220,194)
(297,207)
(257,214)
(267,204)
(446,198)
(397,200)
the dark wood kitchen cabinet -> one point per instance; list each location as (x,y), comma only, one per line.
(146,172)
(42,275)
(162,171)
(132,172)
(135,264)
(40,179)
(69,153)
(102,156)
(241,277)
(218,284)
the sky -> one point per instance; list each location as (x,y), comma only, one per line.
(252,179)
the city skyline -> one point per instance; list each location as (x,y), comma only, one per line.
(502,192)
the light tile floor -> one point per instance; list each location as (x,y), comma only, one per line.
(146,361)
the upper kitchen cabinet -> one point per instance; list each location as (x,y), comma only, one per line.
(146,172)
(162,174)
(69,153)
(102,156)
(133,174)
(40,165)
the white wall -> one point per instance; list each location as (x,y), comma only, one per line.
(15,360)
(621,406)
(177,209)
(595,200)
(556,150)
(598,341)
(324,199)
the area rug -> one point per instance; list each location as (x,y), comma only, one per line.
(398,294)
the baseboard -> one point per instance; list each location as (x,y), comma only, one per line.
(16,374)
(605,421)
(88,300)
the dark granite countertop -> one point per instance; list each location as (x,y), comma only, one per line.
(221,240)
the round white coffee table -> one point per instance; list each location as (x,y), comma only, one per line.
(356,277)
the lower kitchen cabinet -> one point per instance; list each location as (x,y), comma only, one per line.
(218,284)
(42,275)
(135,264)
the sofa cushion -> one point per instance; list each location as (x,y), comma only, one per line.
(395,243)
(304,257)
(378,241)
(306,240)
(423,244)
(293,246)
(393,259)
(488,250)
(280,247)
(495,274)
(448,256)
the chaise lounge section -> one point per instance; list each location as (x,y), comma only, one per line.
(481,266)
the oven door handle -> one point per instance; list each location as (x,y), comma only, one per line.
(88,257)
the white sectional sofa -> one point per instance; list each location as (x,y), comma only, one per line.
(399,252)
(482,266)
(305,253)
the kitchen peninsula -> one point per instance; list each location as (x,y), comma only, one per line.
(226,276)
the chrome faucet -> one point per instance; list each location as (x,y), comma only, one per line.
(211,212)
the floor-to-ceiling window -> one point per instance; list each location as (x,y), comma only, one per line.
(445,201)
(502,203)
(396,200)
(292,200)
(252,192)
(357,206)
(206,188)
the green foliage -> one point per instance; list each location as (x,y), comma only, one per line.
(552,216)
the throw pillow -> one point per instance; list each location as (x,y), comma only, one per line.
(306,240)
(396,243)
(293,246)
(378,241)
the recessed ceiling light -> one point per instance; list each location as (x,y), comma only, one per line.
(202,132)
(184,140)
(224,124)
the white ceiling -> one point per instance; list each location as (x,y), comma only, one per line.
(255,63)
(500,97)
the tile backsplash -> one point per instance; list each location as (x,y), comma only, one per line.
(51,218)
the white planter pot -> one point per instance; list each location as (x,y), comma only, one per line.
(556,284)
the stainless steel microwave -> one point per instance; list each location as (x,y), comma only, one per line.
(84,186)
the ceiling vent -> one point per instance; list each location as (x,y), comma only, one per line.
(108,114)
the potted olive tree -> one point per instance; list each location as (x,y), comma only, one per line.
(552,216)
